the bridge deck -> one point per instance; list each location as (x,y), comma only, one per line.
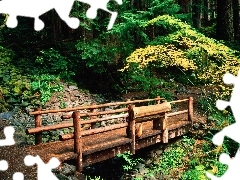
(109,143)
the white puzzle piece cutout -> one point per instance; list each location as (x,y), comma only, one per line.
(36,8)
(44,171)
(231,131)
(232,172)
(8,141)
(9,133)
(18,176)
(100,4)
(3,165)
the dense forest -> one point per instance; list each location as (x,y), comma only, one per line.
(155,46)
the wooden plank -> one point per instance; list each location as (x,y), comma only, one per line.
(105,118)
(65,157)
(177,113)
(156,137)
(94,131)
(103,112)
(105,154)
(178,101)
(151,109)
(90,107)
(70,124)
(66,116)
(48,128)
(109,147)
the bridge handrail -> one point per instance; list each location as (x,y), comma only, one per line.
(38,112)
(158,113)
(93,119)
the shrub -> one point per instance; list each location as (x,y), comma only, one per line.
(206,59)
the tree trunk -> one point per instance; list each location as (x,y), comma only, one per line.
(236,19)
(213,9)
(206,12)
(225,29)
(196,13)
(185,6)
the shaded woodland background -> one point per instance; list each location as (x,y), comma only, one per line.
(91,54)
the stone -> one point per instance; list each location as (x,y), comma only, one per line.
(68,169)
(24,104)
(71,88)
(103,123)
(143,171)
(158,152)
(7,115)
(62,177)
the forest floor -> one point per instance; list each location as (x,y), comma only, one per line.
(15,154)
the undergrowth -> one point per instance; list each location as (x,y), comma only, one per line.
(182,51)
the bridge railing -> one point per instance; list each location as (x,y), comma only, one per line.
(91,112)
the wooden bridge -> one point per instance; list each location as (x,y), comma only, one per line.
(95,144)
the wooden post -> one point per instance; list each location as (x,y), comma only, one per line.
(128,101)
(190,110)
(77,140)
(163,127)
(38,123)
(93,125)
(131,127)
(127,119)
(165,136)
(157,122)
(158,101)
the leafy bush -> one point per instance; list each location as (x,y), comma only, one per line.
(13,82)
(187,49)
(44,86)
(130,162)
(50,61)
(198,173)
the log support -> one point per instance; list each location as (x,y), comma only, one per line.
(163,127)
(131,128)
(190,110)
(38,123)
(77,140)
(165,136)
(93,125)
(158,100)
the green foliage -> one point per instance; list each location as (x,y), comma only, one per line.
(164,94)
(50,61)
(209,31)
(130,162)
(172,158)
(198,173)
(97,54)
(183,47)
(45,85)
(107,50)
(13,82)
